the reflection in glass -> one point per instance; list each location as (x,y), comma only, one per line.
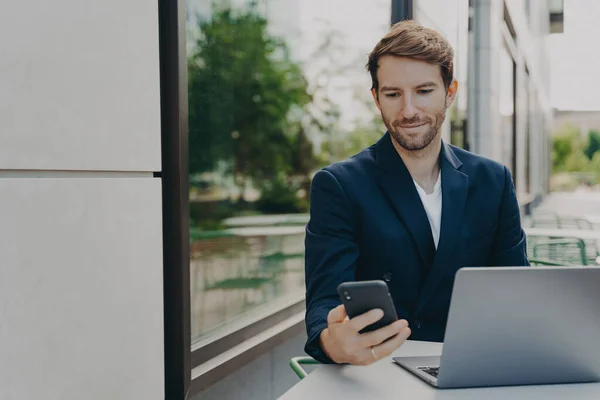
(277,89)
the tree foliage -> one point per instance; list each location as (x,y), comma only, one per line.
(593,144)
(568,151)
(574,152)
(243,87)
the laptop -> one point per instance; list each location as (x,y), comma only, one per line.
(518,326)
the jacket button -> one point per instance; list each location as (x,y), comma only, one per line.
(387,277)
(417,324)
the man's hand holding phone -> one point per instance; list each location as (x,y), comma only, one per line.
(343,343)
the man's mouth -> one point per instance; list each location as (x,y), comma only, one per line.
(409,126)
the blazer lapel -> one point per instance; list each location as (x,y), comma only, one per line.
(455,187)
(399,187)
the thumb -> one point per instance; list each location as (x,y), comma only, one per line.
(337,315)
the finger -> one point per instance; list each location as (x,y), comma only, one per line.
(366,319)
(379,336)
(336,315)
(387,348)
(366,357)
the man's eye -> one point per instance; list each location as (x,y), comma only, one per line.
(425,91)
(391,95)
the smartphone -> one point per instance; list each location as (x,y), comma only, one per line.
(360,297)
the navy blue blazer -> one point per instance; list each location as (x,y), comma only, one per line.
(367,222)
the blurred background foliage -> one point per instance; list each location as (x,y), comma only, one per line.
(575,158)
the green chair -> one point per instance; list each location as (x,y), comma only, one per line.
(297,362)
(550,219)
(537,261)
(561,251)
(545,219)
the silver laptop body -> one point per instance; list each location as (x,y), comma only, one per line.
(518,326)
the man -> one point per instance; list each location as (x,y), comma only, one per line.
(410,210)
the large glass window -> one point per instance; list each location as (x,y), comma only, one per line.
(277,90)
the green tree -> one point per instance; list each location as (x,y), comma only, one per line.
(353,142)
(329,62)
(366,132)
(576,162)
(593,144)
(242,87)
(568,151)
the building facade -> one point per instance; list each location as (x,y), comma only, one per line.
(502,66)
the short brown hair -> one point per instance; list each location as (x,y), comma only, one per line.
(410,39)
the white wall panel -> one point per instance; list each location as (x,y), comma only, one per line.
(81,289)
(79,85)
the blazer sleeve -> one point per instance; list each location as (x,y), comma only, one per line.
(331,253)
(509,247)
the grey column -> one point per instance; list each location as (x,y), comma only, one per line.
(484,118)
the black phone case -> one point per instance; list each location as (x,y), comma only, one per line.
(365,296)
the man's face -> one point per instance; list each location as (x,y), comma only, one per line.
(412,100)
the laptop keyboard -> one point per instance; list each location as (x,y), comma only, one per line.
(433,371)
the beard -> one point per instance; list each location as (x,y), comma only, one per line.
(418,141)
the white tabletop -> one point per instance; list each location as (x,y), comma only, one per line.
(387,380)
(593,218)
(577,233)
(267,230)
(265,220)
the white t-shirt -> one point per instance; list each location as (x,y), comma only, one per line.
(433,207)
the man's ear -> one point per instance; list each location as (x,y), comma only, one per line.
(375,98)
(451,93)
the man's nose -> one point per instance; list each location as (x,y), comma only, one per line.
(408,109)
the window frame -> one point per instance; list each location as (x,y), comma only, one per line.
(175,202)
(182,359)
